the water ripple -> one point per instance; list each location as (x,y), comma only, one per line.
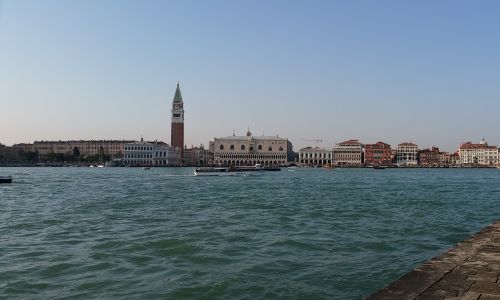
(127,233)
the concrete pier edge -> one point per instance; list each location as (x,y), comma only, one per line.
(470,270)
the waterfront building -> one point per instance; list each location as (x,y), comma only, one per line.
(429,157)
(378,154)
(24,147)
(8,154)
(394,153)
(198,157)
(292,156)
(407,155)
(348,153)
(177,124)
(478,154)
(250,150)
(150,154)
(80,148)
(449,159)
(315,156)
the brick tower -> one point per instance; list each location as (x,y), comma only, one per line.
(177,128)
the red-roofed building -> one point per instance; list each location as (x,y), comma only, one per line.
(429,157)
(478,154)
(378,154)
(348,153)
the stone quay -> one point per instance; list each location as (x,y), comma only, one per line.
(469,271)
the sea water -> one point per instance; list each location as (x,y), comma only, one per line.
(302,233)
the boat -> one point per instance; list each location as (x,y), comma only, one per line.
(379,167)
(232,170)
(100,166)
(209,171)
(146,168)
(5,179)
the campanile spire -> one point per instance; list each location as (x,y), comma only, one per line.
(177,125)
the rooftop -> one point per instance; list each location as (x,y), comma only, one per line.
(407,145)
(314,149)
(378,145)
(83,141)
(246,138)
(350,142)
(469,145)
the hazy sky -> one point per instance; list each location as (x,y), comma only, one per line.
(421,71)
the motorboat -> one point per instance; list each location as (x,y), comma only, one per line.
(5,179)
(209,171)
(232,170)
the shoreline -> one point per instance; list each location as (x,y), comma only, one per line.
(469,270)
(86,165)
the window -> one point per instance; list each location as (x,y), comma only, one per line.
(242,147)
(231,147)
(270,148)
(260,147)
(221,147)
(281,149)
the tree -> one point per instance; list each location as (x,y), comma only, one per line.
(76,153)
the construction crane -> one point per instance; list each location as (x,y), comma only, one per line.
(316,140)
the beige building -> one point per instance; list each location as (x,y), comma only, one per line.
(315,156)
(478,154)
(197,157)
(348,153)
(112,148)
(24,147)
(449,159)
(250,150)
(407,155)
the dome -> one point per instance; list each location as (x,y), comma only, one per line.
(483,142)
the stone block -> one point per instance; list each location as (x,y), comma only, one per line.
(483,278)
(466,296)
(486,288)
(489,297)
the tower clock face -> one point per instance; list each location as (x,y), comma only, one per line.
(176,106)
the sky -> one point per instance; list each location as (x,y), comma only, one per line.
(394,71)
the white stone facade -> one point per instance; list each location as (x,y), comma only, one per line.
(407,155)
(150,154)
(478,154)
(315,156)
(250,150)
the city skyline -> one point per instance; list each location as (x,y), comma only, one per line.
(423,72)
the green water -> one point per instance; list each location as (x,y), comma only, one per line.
(126,233)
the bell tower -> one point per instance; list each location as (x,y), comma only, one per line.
(177,125)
